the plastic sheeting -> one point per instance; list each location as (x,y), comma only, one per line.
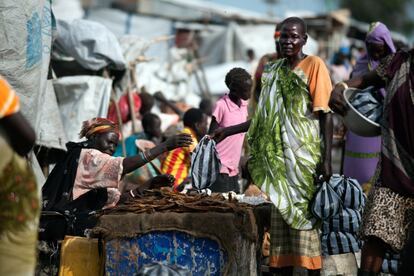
(25,43)
(172,77)
(161,269)
(200,256)
(216,75)
(81,98)
(220,49)
(222,44)
(90,43)
(143,27)
(67,9)
(51,132)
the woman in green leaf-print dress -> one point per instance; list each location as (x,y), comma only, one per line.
(290,141)
(290,138)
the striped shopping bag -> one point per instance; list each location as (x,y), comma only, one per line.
(349,190)
(326,202)
(347,220)
(391,263)
(205,164)
(335,243)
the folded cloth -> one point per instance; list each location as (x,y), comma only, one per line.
(369,103)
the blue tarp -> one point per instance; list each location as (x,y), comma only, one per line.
(202,256)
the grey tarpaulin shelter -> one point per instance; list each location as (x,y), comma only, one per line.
(25,43)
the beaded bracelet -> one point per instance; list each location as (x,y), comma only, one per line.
(148,155)
(344,85)
(143,156)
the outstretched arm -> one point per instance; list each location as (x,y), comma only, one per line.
(132,163)
(222,133)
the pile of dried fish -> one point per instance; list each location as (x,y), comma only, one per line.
(167,201)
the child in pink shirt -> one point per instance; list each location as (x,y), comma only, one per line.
(231,110)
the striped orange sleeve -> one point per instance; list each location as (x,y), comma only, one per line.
(184,167)
(173,163)
(9,102)
(178,161)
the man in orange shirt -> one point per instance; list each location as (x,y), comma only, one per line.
(178,161)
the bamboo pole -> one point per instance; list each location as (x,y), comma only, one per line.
(119,118)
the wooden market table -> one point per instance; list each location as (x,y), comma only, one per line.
(206,241)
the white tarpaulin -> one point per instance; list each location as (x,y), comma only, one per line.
(37,170)
(67,9)
(221,44)
(81,98)
(144,27)
(51,132)
(25,43)
(216,74)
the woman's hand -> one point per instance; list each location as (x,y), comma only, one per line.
(178,141)
(337,101)
(164,180)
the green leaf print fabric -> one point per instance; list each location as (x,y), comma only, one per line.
(285,144)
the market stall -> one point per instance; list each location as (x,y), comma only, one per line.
(207,235)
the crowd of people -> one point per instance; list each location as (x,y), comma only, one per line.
(280,119)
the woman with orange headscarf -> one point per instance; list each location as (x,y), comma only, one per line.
(89,177)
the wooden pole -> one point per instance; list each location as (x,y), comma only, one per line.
(119,118)
(131,98)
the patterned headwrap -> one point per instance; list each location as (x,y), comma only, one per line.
(378,33)
(97,125)
(276,35)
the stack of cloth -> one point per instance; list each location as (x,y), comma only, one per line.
(339,205)
(369,103)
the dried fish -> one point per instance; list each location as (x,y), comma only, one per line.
(166,201)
